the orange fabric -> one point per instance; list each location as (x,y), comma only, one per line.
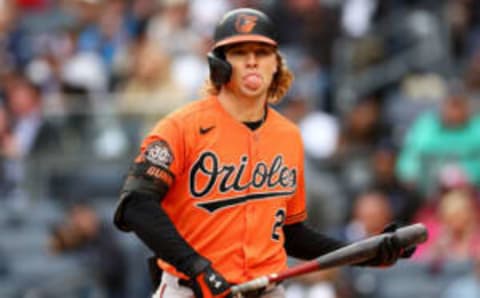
(244,38)
(233,187)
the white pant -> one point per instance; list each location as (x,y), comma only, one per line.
(169,288)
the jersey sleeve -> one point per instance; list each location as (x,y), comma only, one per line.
(163,150)
(296,206)
(153,170)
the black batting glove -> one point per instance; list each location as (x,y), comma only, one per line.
(405,253)
(209,283)
(389,250)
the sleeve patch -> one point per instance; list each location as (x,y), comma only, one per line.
(159,153)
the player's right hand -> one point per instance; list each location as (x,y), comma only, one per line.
(390,249)
(209,283)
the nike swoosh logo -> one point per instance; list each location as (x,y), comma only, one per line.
(205,130)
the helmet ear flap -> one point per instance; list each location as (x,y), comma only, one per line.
(220,69)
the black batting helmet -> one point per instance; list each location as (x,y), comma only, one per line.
(238,25)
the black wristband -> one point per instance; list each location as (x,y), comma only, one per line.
(193,265)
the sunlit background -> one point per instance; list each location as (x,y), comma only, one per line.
(387,94)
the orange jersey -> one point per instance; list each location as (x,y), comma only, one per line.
(231,189)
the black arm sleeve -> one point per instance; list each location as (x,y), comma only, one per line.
(144,216)
(303,242)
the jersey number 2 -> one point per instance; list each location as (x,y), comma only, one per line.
(279,220)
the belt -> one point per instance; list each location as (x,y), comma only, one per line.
(185,283)
(250,294)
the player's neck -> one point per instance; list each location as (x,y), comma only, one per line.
(242,109)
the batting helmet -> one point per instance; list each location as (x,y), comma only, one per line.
(238,25)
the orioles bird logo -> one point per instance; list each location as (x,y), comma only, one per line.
(245,23)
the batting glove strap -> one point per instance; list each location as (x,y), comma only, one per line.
(210,283)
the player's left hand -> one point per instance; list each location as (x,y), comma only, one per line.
(390,249)
(209,283)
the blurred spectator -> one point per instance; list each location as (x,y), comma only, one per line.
(170,27)
(85,235)
(418,91)
(8,153)
(453,229)
(371,212)
(312,80)
(315,23)
(320,130)
(403,200)
(35,139)
(150,91)
(15,50)
(138,14)
(471,77)
(438,139)
(453,177)
(104,30)
(361,130)
(466,286)
(463,20)
(459,20)
(450,178)
(175,29)
(362,127)
(33,133)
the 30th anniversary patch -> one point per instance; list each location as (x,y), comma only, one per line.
(159,154)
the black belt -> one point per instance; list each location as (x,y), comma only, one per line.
(250,294)
(185,282)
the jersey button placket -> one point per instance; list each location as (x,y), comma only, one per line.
(254,147)
(251,220)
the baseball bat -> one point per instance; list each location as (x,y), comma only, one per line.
(354,253)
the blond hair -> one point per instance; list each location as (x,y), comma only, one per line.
(281,82)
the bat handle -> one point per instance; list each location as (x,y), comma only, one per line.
(254,284)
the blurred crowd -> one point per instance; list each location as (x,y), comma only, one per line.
(386,94)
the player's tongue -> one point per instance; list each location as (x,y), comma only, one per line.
(252,81)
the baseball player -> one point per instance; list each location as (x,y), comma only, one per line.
(217,191)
